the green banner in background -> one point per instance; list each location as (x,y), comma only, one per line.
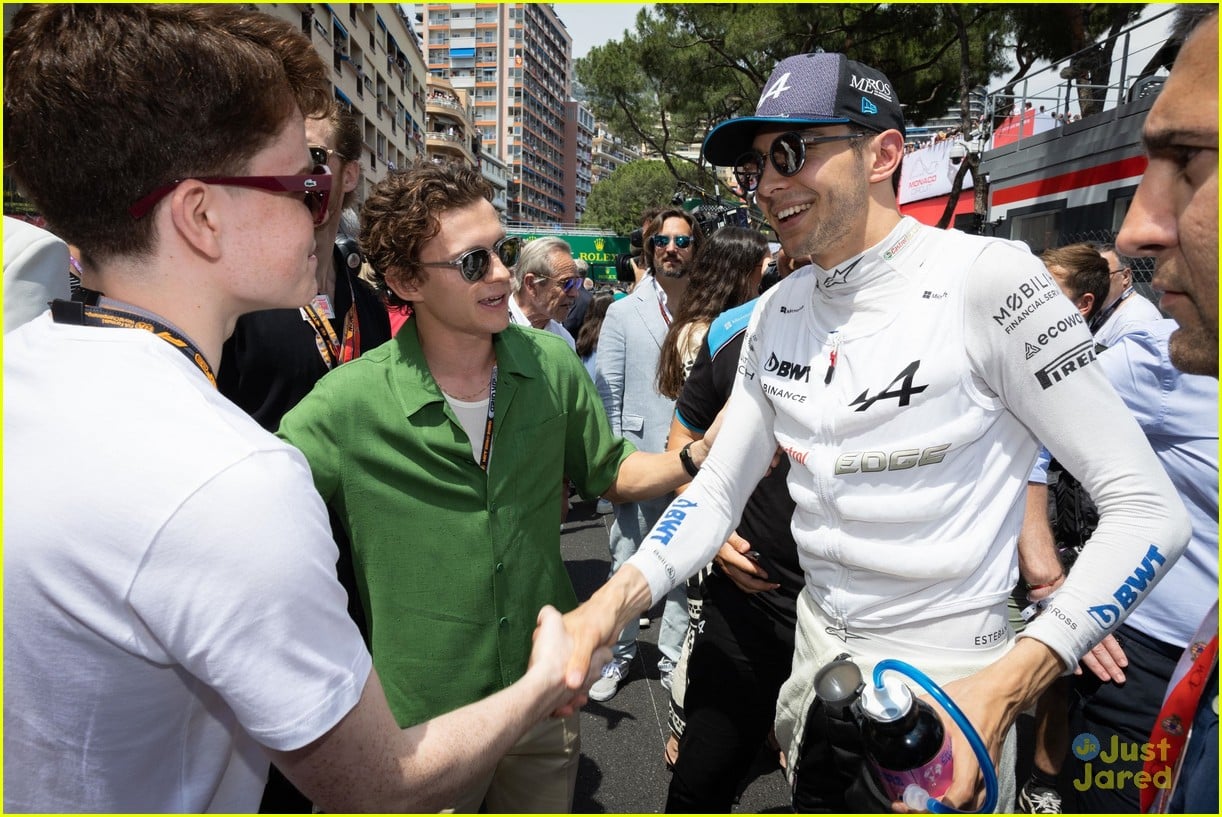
(599,251)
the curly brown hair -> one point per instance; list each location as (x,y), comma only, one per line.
(401,215)
(104,103)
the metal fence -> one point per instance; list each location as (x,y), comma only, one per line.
(1143,268)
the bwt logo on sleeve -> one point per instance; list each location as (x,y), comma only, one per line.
(1126,594)
(670,522)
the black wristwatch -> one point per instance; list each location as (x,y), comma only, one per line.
(685,457)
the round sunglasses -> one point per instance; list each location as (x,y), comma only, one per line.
(681,241)
(315,188)
(474,264)
(787,153)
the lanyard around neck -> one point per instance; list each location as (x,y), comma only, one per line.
(1109,310)
(486,452)
(75,313)
(330,349)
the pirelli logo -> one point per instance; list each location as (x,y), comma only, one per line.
(1066,364)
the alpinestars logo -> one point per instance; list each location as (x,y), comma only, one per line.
(840,276)
(903,395)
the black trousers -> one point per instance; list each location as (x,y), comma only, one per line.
(1120,717)
(740,657)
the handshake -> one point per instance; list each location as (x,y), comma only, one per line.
(570,650)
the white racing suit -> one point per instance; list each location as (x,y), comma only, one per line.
(908,387)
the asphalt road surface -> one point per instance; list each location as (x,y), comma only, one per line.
(622,768)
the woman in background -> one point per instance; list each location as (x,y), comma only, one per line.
(725,273)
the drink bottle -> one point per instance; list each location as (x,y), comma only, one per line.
(904,740)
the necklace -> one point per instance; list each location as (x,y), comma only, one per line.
(466,398)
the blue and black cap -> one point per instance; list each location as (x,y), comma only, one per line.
(806,90)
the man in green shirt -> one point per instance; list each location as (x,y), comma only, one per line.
(441,450)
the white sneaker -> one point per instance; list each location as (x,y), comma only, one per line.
(603,507)
(614,673)
(1036,799)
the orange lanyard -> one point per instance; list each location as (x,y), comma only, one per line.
(330,349)
(78,314)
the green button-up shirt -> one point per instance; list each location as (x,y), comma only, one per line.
(453,563)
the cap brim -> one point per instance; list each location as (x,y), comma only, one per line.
(732,138)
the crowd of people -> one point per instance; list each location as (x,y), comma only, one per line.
(314,473)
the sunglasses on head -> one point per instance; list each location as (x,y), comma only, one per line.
(787,154)
(681,241)
(314,187)
(474,264)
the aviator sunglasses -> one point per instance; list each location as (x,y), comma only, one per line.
(315,187)
(663,241)
(474,264)
(788,154)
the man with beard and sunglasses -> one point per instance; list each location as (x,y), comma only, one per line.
(440,453)
(177,621)
(629,348)
(907,373)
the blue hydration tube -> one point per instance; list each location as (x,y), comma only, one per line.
(982,753)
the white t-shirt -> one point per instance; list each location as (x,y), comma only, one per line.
(170,599)
(909,457)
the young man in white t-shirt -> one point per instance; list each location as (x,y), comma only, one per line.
(172,617)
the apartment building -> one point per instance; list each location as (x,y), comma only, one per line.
(608,153)
(377,71)
(579,128)
(515,61)
(449,134)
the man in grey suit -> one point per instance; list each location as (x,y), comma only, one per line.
(628,350)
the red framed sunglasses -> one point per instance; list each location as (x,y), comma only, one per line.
(315,187)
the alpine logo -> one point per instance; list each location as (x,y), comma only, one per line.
(779,87)
(1031,351)
(1066,364)
(785,369)
(1126,594)
(840,276)
(903,395)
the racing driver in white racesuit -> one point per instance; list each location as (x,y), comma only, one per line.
(907,374)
